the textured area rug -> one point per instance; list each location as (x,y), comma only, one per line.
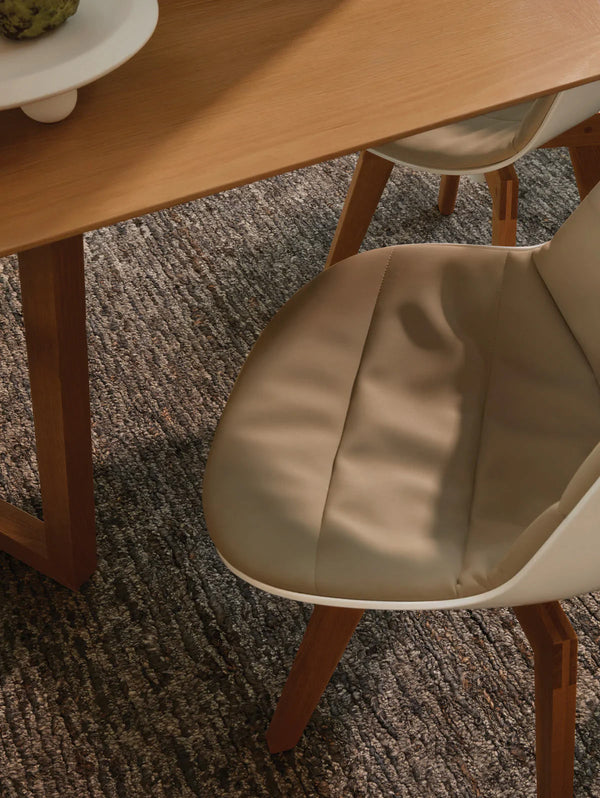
(160,676)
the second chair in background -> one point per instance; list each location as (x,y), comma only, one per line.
(488,144)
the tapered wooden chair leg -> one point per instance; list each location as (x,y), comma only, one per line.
(369,180)
(554,645)
(448,192)
(324,642)
(583,141)
(586,165)
(504,188)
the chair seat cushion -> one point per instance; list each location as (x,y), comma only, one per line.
(472,144)
(402,425)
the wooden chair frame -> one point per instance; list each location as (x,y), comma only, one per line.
(372,173)
(546,627)
(554,645)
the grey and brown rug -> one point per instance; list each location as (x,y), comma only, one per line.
(159,678)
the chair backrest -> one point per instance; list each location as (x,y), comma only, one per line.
(568,109)
(568,562)
(548,117)
(569,265)
(511,132)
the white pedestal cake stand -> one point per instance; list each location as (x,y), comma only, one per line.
(42,75)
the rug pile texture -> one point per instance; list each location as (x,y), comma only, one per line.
(158,679)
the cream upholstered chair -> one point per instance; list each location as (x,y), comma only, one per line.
(487,144)
(418,428)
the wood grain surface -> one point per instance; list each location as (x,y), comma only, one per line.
(231,91)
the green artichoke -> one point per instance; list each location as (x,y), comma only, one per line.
(26,19)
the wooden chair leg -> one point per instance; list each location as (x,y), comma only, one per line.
(583,141)
(504,188)
(324,642)
(586,165)
(554,645)
(448,192)
(369,179)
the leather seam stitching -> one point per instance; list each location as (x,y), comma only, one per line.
(349,405)
(481,428)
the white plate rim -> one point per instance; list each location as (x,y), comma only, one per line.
(125,42)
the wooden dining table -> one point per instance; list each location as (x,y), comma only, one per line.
(225,93)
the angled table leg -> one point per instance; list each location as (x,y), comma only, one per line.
(53,294)
(554,645)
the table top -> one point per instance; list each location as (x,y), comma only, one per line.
(230,91)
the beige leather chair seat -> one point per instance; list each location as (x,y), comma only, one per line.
(407,424)
(472,144)
(419,428)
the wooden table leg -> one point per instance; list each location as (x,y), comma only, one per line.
(53,294)
(554,645)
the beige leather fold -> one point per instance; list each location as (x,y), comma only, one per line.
(268,472)
(541,420)
(569,267)
(585,476)
(416,422)
(402,481)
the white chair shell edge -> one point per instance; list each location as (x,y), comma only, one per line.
(566,565)
(570,107)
